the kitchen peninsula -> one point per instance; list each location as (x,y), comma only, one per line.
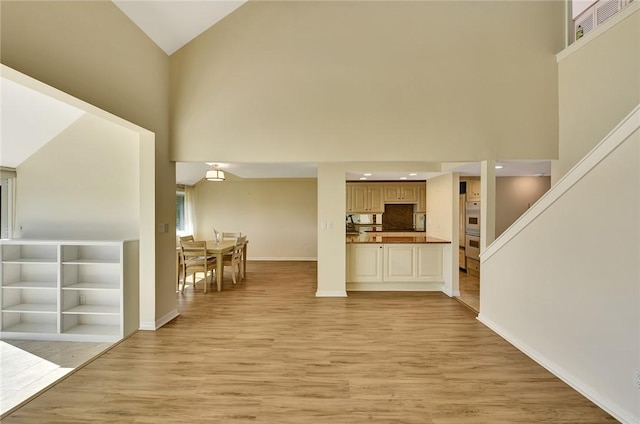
(398,261)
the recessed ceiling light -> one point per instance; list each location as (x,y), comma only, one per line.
(499,166)
(363,178)
(403,178)
(413,174)
(368,174)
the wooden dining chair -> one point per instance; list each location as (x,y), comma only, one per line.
(194,260)
(229,236)
(235,259)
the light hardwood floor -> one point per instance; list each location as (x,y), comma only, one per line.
(469,291)
(269,351)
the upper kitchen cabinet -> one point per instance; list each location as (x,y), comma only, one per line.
(365,198)
(473,190)
(422,199)
(401,193)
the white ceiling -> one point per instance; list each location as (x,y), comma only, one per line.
(172,24)
(30,119)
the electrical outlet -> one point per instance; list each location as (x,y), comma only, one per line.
(638,378)
(83,299)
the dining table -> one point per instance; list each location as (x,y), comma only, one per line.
(219,249)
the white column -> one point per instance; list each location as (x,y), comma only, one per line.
(488,203)
(331,231)
(455,238)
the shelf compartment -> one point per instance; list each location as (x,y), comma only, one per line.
(90,301)
(40,285)
(91,324)
(30,253)
(13,273)
(93,310)
(92,286)
(91,254)
(30,300)
(32,308)
(32,323)
(30,327)
(90,273)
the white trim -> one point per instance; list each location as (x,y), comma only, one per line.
(603,402)
(615,138)
(331,293)
(398,287)
(153,326)
(599,30)
(281,258)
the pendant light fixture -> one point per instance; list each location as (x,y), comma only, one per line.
(214,174)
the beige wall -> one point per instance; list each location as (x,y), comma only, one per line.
(327,81)
(599,86)
(90,190)
(278,217)
(514,195)
(440,222)
(92,51)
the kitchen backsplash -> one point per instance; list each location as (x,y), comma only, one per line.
(403,218)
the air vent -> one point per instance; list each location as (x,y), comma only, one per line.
(586,22)
(606,9)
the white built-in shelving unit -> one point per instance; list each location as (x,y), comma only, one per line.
(68,290)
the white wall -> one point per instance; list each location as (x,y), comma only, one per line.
(565,288)
(84,184)
(278,217)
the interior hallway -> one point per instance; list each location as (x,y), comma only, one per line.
(469,291)
(269,351)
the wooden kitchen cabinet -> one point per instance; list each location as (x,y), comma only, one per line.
(364,263)
(413,262)
(401,193)
(473,267)
(422,199)
(365,198)
(473,190)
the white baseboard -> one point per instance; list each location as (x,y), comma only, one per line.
(407,286)
(153,326)
(330,293)
(280,258)
(587,391)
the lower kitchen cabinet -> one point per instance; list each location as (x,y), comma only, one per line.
(69,290)
(364,263)
(462,259)
(413,262)
(395,263)
(473,267)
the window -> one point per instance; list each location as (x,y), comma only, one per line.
(180,212)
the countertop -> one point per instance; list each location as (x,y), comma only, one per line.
(420,238)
